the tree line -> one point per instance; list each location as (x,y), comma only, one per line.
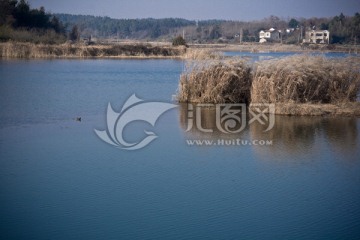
(19,22)
(123,28)
(343,29)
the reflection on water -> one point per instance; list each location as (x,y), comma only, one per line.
(299,134)
(342,134)
(290,134)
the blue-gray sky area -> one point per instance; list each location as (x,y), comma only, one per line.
(202,9)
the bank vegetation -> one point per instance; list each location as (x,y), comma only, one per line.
(31,50)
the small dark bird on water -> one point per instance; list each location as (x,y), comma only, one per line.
(78,119)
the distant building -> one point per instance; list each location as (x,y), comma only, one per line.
(272,34)
(314,36)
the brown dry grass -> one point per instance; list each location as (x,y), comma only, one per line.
(30,50)
(294,79)
(297,85)
(215,81)
(306,79)
(202,54)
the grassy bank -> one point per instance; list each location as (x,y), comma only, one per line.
(30,50)
(297,85)
(278,47)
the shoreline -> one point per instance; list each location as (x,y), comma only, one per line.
(17,50)
(153,50)
(351,109)
(275,47)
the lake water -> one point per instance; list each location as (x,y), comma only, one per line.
(58,180)
(271,55)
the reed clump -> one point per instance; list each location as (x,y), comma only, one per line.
(202,54)
(216,81)
(306,79)
(297,85)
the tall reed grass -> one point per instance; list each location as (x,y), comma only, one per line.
(202,54)
(215,81)
(306,79)
(295,79)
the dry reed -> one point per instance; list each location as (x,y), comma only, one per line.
(215,81)
(306,79)
(202,54)
(298,85)
(30,50)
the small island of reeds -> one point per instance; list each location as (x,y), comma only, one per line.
(297,85)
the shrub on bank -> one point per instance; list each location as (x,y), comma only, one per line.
(179,41)
(45,36)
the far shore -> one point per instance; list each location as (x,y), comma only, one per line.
(151,50)
(278,47)
(82,51)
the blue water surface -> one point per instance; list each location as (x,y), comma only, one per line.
(259,56)
(58,180)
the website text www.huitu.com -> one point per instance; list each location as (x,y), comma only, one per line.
(228,142)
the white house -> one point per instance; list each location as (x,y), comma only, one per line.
(314,36)
(271,34)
